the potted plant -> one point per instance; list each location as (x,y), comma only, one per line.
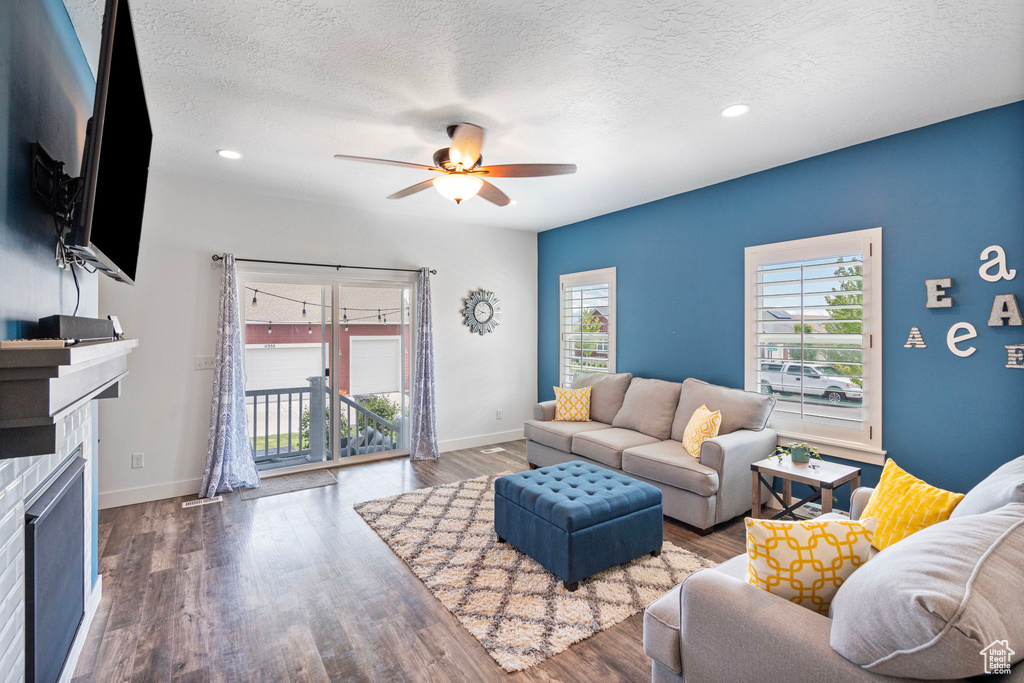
(798,452)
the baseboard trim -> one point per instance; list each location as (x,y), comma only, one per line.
(93,604)
(481,440)
(144,494)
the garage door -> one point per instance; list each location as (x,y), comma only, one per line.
(375,365)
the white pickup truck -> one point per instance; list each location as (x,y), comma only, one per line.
(814,379)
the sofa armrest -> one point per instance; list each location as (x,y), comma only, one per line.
(730,630)
(544,411)
(859,500)
(731,456)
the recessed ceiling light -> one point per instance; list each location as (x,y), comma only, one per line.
(735,110)
(229,154)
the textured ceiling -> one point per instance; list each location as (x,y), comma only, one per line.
(630,90)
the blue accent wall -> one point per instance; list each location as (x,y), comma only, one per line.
(46,95)
(942,194)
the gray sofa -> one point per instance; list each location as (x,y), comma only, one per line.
(922,609)
(637,427)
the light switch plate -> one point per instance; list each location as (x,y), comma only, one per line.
(204,363)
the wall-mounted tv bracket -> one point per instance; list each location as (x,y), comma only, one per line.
(58,191)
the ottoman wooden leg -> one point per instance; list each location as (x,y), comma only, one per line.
(500,539)
(656,553)
(571,586)
(532,466)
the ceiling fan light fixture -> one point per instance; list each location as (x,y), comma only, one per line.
(734,110)
(457,186)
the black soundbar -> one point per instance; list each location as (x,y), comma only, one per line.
(74,327)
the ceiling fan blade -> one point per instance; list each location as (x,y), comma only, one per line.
(493,194)
(466,142)
(386,162)
(526,170)
(412,189)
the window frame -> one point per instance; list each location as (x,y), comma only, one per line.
(864,445)
(587,277)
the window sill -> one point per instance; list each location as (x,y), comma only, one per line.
(836,448)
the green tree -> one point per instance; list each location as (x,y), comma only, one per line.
(847,320)
(798,352)
(590,322)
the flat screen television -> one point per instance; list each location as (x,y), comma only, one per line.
(115,165)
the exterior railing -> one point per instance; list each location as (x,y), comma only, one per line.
(278,416)
(368,432)
(268,407)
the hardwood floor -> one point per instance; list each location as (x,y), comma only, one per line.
(296,587)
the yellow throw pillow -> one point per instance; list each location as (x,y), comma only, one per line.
(903,505)
(806,561)
(703,425)
(572,405)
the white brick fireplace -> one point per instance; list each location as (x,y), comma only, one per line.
(20,478)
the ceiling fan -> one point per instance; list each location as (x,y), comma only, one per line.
(462,175)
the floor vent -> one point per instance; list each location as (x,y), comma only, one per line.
(492,450)
(201,501)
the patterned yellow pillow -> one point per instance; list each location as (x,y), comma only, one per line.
(806,561)
(703,425)
(572,405)
(903,505)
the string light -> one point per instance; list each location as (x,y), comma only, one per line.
(311,328)
(254,293)
(378,315)
(303,309)
(270,328)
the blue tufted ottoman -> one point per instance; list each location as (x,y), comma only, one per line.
(578,519)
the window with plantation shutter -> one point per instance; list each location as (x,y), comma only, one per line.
(587,323)
(814,340)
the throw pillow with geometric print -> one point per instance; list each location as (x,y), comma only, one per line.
(806,561)
(572,405)
(703,425)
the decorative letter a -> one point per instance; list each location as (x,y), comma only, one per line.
(1002,273)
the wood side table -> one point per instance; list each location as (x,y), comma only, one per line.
(823,480)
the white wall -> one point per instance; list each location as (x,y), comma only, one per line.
(164,411)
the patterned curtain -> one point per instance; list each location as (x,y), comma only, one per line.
(229,458)
(423,440)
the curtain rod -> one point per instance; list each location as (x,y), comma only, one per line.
(218,257)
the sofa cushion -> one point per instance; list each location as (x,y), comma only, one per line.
(1004,486)
(606,394)
(577,495)
(668,462)
(648,407)
(558,434)
(740,409)
(606,445)
(927,606)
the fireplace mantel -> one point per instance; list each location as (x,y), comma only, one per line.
(40,387)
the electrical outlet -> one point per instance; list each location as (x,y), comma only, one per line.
(497,414)
(138,460)
(204,362)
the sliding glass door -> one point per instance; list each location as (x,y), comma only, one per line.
(327,369)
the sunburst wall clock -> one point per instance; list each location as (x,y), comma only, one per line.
(482,312)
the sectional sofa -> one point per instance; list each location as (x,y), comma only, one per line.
(637,427)
(926,608)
